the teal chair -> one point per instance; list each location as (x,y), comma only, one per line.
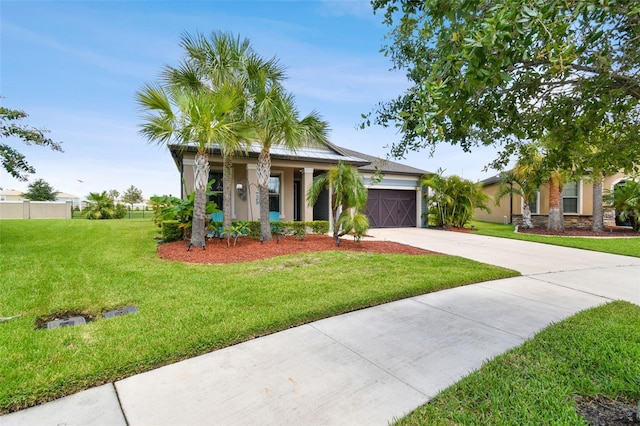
(274,218)
(216,225)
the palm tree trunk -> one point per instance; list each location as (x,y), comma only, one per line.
(263,172)
(334,213)
(526,215)
(556,219)
(227,189)
(201,175)
(598,208)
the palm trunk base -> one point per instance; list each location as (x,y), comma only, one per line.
(556,221)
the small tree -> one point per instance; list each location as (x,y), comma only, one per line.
(113,194)
(348,199)
(132,196)
(40,190)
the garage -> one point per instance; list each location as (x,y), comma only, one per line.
(390,208)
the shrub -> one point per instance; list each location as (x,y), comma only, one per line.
(253,228)
(173,208)
(121,211)
(625,199)
(452,200)
(278,228)
(320,226)
(172,231)
(360,225)
(298,229)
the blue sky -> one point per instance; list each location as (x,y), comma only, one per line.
(74,67)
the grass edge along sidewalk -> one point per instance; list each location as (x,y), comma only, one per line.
(594,353)
(184,310)
(626,246)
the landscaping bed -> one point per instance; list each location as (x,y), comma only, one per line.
(611,231)
(249,249)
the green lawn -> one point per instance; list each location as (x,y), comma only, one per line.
(624,246)
(57,266)
(596,352)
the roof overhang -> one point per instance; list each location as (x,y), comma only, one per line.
(306,154)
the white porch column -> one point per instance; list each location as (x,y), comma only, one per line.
(307,180)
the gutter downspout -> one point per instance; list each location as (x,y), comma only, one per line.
(182,180)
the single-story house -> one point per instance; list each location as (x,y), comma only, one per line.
(577,203)
(396,201)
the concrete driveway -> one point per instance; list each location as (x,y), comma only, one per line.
(369,366)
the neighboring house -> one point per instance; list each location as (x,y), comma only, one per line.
(11,195)
(396,201)
(75,199)
(577,203)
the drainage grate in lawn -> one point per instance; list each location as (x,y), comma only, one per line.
(121,311)
(66,322)
(64,319)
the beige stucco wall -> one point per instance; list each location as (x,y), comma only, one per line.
(497,213)
(35,210)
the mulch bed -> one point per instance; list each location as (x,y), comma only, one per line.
(249,249)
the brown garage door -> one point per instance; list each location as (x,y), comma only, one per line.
(388,208)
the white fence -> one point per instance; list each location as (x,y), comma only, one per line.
(35,209)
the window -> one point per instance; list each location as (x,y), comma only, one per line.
(570,198)
(274,194)
(533,202)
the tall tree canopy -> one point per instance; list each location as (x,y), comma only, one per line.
(40,190)
(13,161)
(505,71)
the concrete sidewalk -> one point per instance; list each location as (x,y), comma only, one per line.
(369,366)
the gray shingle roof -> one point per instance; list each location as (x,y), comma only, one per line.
(328,153)
(385,166)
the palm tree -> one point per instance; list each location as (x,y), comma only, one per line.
(276,121)
(220,60)
(542,168)
(557,180)
(523,180)
(102,206)
(176,113)
(210,64)
(625,199)
(348,198)
(453,199)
